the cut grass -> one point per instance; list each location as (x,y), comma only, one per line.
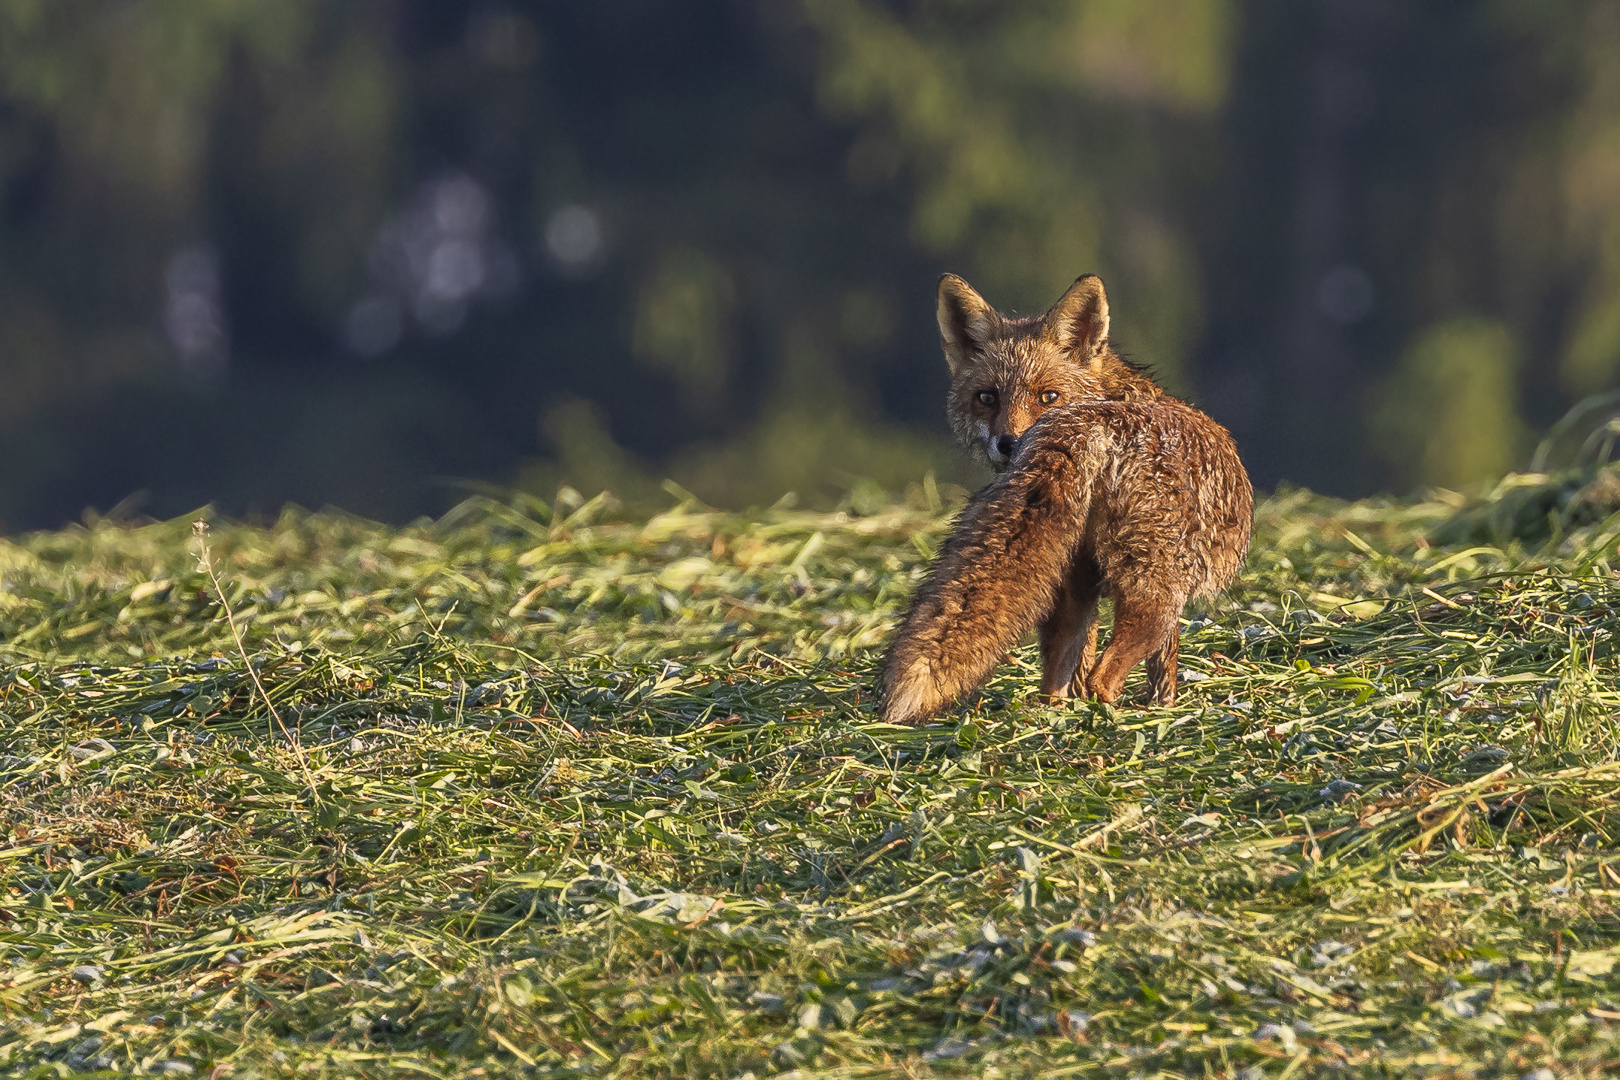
(610,799)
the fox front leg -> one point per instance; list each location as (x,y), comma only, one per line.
(1062,635)
(1086,584)
(1069,637)
(1079,686)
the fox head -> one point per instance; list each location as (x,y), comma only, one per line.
(1007,370)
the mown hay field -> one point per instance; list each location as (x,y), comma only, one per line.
(537,794)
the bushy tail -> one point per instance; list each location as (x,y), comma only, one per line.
(994,580)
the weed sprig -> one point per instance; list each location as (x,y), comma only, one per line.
(200,530)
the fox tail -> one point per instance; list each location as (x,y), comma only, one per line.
(996,577)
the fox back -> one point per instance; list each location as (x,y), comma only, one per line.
(1171,504)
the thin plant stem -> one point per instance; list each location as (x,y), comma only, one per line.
(200,528)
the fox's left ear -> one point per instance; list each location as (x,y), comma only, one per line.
(1078,323)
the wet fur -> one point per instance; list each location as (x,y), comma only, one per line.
(1144,502)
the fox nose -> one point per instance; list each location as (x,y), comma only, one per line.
(1005,444)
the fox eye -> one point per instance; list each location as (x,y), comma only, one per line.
(1050,397)
(987,397)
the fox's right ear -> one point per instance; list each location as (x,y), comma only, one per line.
(1078,323)
(966,321)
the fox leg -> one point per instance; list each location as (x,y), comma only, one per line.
(1161,667)
(1141,626)
(1086,585)
(1063,639)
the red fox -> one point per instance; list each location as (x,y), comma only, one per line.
(1142,500)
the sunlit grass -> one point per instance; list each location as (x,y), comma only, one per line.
(597,798)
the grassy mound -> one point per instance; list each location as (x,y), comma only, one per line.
(530,794)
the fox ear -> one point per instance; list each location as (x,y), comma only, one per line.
(966,321)
(1078,323)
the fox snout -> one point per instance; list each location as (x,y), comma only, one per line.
(1000,447)
(1003,432)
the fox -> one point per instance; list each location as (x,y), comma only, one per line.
(1138,497)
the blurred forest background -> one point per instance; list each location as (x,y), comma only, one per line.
(341,251)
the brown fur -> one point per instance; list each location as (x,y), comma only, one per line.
(1144,502)
(1027,365)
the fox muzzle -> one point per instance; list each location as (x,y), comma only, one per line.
(999,449)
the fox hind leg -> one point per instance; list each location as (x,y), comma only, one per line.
(1161,667)
(1142,625)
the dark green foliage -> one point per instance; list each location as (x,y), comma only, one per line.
(262,251)
(1535,506)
